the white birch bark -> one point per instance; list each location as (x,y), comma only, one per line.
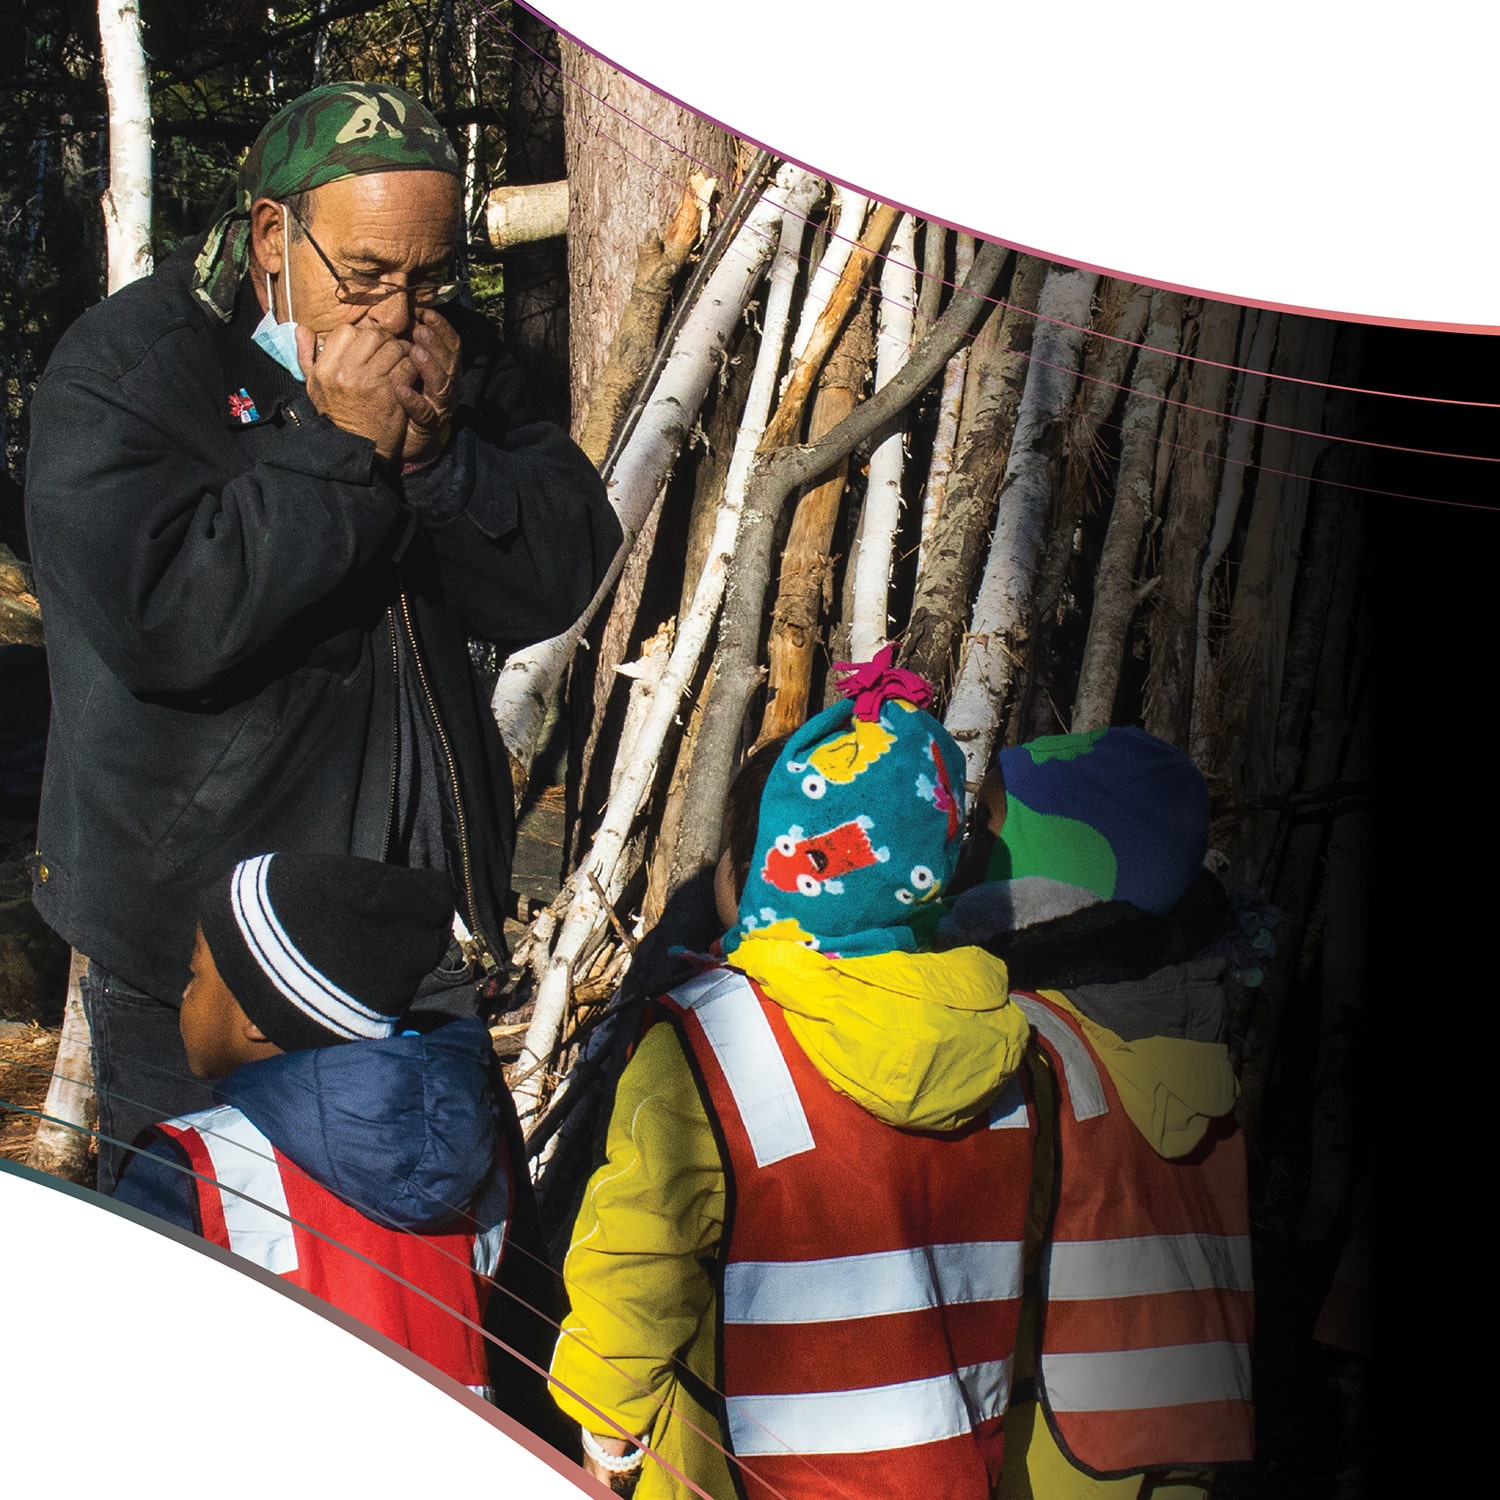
(1002,609)
(604,870)
(127,200)
(847,218)
(950,407)
(530,678)
(882,513)
(61,1144)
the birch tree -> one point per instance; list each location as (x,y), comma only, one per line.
(127,199)
(602,875)
(1003,610)
(872,568)
(525,686)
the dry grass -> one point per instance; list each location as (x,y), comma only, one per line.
(25,1073)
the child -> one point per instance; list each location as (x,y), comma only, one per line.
(801,1258)
(1137,1344)
(342,1156)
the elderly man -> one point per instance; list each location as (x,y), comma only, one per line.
(272,489)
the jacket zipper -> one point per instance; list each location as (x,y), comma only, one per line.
(477,948)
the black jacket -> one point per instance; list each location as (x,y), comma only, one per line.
(221,598)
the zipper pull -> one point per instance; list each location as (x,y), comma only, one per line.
(476,950)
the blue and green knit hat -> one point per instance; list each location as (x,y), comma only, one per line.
(1114,811)
(861,821)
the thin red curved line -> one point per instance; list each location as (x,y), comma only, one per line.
(943,280)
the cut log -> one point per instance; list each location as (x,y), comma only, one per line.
(1196,475)
(950,406)
(778,473)
(1121,311)
(20,613)
(1003,608)
(530,677)
(869,624)
(603,874)
(1261,612)
(1115,586)
(1206,739)
(806,565)
(998,363)
(521,214)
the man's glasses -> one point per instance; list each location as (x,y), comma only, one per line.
(365,289)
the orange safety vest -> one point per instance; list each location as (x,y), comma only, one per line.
(254,1201)
(1147,1307)
(870,1277)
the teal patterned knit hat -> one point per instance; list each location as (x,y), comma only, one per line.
(861,821)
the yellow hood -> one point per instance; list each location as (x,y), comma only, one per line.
(922,1041)
(1170,1087)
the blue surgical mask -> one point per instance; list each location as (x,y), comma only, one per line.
(279,340)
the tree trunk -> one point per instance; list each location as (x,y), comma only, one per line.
(1115,584)
(779,471)
(536,274)
(998,362)
(869,624)
(1189,514)
(950,408)
(1261,615)
(1298,875)
(62,1141)
(806,566)
(629,152)
(127,200)
(1003,609)
(1207,737)
(1122,309)
(603,875)
(622,621)
(530,678)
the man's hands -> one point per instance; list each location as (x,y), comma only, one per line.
(400,394)
(431,400)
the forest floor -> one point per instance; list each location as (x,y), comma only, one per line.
(26,1058)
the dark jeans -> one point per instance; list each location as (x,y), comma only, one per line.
(141,1071)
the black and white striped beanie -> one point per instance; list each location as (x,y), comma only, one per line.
(322,948)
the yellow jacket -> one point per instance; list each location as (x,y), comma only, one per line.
(922,1041)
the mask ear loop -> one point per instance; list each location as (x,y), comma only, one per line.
(286,246)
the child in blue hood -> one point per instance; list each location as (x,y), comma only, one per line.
(365,1166)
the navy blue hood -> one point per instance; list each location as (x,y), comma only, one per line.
(405,1130)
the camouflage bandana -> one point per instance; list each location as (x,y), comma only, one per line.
(338,130)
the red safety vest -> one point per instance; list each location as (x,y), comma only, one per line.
(871,1277)
(254,1201)
(1147,1303)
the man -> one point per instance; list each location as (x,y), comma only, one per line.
(272,489)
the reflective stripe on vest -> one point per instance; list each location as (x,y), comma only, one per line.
(418,1289)
(870,1420)
(1081,1270)
(754,1068)
(885,1368)
(247,1182)
(865,1286)
(1153,1322)
(1145,1379)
